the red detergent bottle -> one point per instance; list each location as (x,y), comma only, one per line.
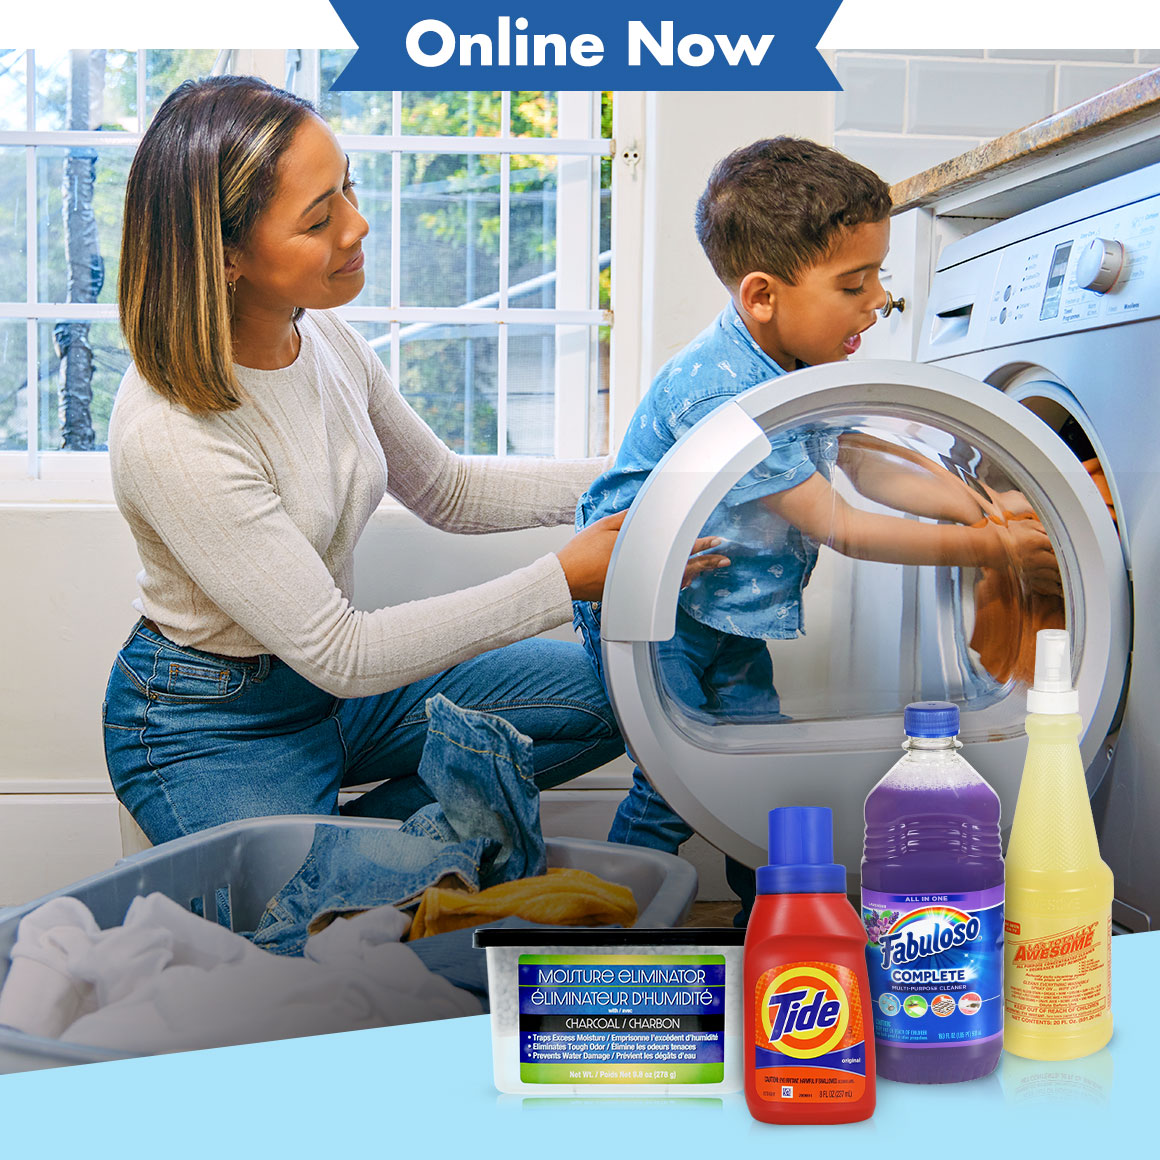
(932,902)
(807,1037)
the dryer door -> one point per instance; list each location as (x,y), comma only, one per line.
(735,725)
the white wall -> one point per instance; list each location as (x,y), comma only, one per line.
(687,134)
(903,111)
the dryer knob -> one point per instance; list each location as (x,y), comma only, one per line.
(1100,265)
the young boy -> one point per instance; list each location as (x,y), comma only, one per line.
(797,234)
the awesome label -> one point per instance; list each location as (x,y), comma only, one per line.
(1059,977)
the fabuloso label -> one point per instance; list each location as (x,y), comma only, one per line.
(936,966)
(1058,977)
(622,1019)
(810,1036)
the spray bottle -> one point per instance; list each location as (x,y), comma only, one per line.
(1057,977)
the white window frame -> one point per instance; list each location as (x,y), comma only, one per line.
(42,475)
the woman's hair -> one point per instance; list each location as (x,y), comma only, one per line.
(203,173)
(780,205)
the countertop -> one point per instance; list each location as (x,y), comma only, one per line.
(1128,104)
(426,1090)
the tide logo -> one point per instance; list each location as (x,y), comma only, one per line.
(804,1012)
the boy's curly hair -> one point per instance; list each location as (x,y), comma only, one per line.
(778,205)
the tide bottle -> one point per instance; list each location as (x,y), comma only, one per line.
(1058,957)
(932,902)
(809,1051)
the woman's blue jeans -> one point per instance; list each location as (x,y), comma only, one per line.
(193,739)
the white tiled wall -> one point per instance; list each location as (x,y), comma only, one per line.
(902,112)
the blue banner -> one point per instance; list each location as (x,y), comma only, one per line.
(448,44)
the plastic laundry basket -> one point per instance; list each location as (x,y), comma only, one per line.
(254,859)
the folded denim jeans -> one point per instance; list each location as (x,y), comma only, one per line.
(483,828)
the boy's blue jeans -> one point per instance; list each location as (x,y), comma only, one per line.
(193,739)
(711,674)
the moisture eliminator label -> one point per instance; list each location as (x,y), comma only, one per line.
(600,1019)
(936,966)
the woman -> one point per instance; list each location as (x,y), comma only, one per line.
(251,440)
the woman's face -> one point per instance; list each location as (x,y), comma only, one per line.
(306,248)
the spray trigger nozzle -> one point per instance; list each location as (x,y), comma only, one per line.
(1052,692)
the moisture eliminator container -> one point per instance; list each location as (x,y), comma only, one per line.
(601,1011)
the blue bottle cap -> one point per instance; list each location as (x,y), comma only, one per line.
(801,853)
(931,719)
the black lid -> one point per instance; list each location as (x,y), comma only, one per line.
(535,938)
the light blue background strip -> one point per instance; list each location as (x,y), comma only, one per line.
(425,1090)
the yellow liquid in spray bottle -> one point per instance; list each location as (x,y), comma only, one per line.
(1057,980)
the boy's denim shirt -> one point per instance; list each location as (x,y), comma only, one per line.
(760,593)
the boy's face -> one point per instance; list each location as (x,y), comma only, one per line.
(820,318)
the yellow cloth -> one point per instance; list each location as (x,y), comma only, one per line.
(561,897)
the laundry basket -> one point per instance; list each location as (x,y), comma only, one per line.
(254,859)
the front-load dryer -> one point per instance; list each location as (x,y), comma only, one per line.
(1034,359)
(877,636)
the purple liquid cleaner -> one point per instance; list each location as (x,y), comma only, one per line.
(932,902)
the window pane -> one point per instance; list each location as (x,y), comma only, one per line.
(372,173)
(549,362)
(532,253)
(92,357)
(454,114)
(449,374)
(531,416)
(13,236)
(450,228)
(13,89)
(535,114)
(89,234)
(13,380)
(350,112)
(86,89)
(166,68)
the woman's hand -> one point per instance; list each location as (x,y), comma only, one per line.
(585,557)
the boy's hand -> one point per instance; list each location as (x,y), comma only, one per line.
(1011,503)
(1029,551)
(585,557)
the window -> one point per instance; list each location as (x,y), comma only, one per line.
(488,261)
(69,122)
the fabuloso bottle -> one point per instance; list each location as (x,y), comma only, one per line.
(932,901)
(1058,984)
(809,1051)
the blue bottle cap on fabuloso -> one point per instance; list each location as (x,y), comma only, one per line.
(931,719)
(801,853)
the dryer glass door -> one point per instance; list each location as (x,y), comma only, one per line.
(891,528)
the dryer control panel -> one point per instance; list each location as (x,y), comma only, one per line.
(1100,271)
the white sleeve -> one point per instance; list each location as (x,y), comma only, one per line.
(208,499)
(468,494)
